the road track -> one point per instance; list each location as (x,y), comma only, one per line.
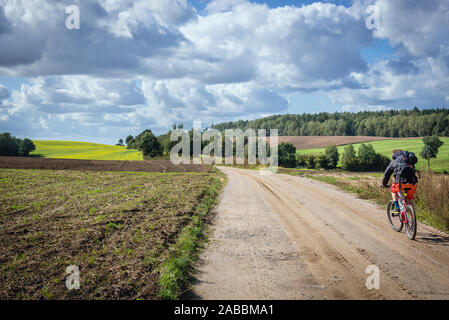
(286,237)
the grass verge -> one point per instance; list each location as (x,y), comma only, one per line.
(175,271)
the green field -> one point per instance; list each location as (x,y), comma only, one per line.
(84,150)
(414,145)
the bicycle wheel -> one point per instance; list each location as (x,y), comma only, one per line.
(394,218)
(411,226)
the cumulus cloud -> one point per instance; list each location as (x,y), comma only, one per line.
(4,93)
(140,64)
(113,39)
(419,72)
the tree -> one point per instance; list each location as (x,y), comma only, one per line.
(13,147)
(332,156)
(287,155)
(149,144)
(25,147)
(367,157)
(130,142)
(349,159)
(8,145)
(430,149)
(120,142)
(321,161)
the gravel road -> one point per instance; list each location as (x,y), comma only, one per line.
(285,237)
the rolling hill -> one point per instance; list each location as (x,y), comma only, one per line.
(84,150)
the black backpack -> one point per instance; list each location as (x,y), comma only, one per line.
(405,169)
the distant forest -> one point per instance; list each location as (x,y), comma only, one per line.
(391,123)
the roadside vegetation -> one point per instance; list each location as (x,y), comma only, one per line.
(132,235)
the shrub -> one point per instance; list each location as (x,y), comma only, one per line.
(310,162)
(301,160)
(287,155)
(349,160)
(321,161)
(332,156)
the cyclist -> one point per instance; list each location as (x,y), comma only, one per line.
(403,168)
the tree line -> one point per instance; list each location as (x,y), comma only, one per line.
(391,123)
(15,147)
(365,159)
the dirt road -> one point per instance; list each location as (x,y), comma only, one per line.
(285,237)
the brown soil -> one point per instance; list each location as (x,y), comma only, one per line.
(117,227)
(99,165)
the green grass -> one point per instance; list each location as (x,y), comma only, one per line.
(175,270)
(415,145)
(84,150)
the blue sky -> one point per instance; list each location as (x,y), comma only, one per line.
(141,64)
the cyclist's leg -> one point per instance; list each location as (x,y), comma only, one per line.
(394,194)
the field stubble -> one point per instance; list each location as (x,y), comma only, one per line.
(116,227)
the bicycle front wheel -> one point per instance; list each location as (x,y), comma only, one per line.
(394,218)
(411,225)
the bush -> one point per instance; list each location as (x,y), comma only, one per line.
(301,160)
(382,162)
(310,162)
(349,160)
(287,155)
(322,161)
(367,157)
(332,156)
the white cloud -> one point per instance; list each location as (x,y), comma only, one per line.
(4,93)
(143,64)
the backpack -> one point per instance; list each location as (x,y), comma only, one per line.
(405,169)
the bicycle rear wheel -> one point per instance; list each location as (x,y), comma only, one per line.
(411,225)
(394,219)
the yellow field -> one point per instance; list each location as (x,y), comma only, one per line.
(84,150)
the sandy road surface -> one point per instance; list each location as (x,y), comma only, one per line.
(285,237)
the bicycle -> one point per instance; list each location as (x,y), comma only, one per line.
(406,216)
